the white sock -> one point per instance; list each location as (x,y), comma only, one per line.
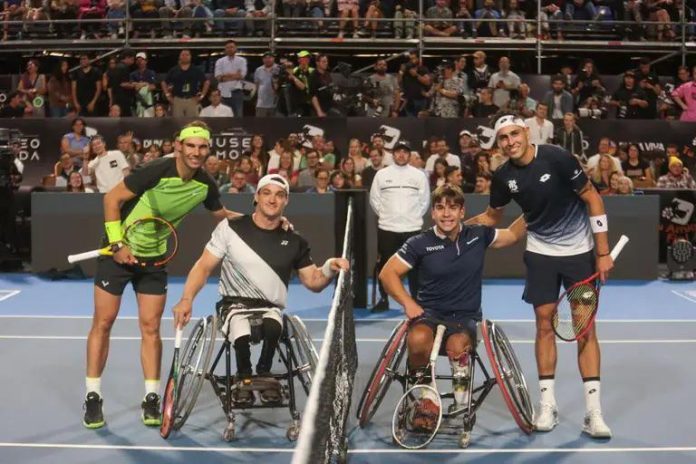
(548,395)
(152,386)
(93,384)
(592,395)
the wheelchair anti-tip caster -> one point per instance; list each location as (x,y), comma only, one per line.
(229,433)
(464,439)
(293,431)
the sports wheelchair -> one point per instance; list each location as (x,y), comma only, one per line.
(295,350)
(458,419)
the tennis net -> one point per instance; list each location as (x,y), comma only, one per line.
(323,429)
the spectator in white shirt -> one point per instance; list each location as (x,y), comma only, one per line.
(604,148)
(540,128)
(216,109)
(230,71)
(109,167)
(503,82)
(443,154)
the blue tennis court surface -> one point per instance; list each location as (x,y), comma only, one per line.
(648,340)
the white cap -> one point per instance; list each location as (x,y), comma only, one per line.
(509,120)
(142,55)
(274,179)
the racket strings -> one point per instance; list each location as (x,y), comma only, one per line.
(576,309)
(151,238)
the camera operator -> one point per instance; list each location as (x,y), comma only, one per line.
(321,87)
(300,80)
(10,177)
(447,91)
(415,83)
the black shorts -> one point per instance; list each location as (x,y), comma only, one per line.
(456,322)
(545,274)
(113,277)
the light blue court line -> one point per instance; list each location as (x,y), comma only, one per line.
(634,300)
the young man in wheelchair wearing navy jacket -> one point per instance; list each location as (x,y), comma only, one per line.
(449,258)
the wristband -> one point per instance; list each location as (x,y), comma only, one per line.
(326,269)
(114,233)
(603,255)
(599,223)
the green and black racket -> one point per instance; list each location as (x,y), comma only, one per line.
(152,240)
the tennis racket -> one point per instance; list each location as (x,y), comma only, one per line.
(577,306)
(418,414)
(152,240)
(171,395)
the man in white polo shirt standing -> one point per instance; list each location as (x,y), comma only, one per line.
(230,71)
(399,196)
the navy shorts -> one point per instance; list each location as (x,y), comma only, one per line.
(545,274)
(455,321)
(113,277)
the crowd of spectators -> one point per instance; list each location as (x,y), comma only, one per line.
(303,85)
(317,165)
(443,18)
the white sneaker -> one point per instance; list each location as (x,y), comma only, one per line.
(595,426)
(546,417)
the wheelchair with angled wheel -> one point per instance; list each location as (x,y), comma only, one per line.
(295,351)
(504,370)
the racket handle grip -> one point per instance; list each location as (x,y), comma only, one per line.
(439,334)
(83,256)
(618,247)
(178,336)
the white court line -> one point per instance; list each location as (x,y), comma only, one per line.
(226,449)
(8,294)
(620,321)
(686,297)
(319,340)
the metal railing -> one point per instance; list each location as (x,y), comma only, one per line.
(323,32)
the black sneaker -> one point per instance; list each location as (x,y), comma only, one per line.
(243,394)
(151,415)
(94,416)
(381,306)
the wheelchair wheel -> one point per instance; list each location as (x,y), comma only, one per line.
(383,374)
(195,359)
(305,354)
(508,374)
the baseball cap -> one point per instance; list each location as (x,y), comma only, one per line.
(467,133)
(273,179)
(402,145)
(268,53)
(508,120)
(142,55)
(303,54)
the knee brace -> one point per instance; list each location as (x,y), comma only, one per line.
(460,365)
